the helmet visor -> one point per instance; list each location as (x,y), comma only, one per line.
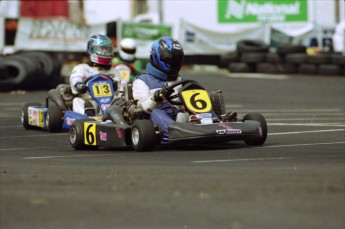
(174,61)
(105,51)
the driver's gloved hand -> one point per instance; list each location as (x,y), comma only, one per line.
(81,87)
(165,92)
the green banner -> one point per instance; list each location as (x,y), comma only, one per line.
(249,11)
(143,31)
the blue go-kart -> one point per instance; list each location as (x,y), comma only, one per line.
(57,114)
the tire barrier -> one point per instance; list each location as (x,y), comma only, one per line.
(29,71)
(254,56)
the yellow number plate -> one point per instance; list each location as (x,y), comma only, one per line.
(89,133)
(197,101)
(101,89)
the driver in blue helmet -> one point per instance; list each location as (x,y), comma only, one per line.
(100,52)
(151,87)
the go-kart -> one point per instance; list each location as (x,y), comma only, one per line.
(57,115)
(129,126)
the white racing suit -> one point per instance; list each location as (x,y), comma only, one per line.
(79,74)
(144,87)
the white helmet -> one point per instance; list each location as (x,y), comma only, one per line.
(128,48)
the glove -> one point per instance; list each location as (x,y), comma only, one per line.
(81,87)
(165,92)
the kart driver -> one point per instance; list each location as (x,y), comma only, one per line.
(100,52)
(151,88)
(126,60)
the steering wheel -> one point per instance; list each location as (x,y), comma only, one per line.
(173,86)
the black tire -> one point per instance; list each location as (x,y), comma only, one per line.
(296,58)
(54,117)
(218,104)
(25,115)
(253,57)
(338,59)
(45,61)
(227,58)
(273,57)
(266,68)
(287,68)
(308,69)
(16,69)
(256,140)
(288,49)
(76,135)
(329,69)
(319,59)
(245,46)
(143,135)
(241,67)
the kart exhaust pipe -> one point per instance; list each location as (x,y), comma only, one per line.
(114,113)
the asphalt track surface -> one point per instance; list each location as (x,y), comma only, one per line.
(295,180)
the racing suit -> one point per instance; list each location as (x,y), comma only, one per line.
(144,86)
(79,74)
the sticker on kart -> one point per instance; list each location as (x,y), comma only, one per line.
(102,89)
(197,100)
(90,134)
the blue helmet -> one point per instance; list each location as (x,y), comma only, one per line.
(100,49)
(167,55)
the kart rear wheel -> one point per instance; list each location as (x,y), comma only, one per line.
(256,140)
(143,135)
(76,135)
(25,115)
(54,117)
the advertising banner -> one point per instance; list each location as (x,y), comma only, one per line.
(196,40)
(251,11)
(144,34)
(54,35)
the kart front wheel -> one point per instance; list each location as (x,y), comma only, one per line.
(256,140)
(76,135)
(143,135)
(25,115)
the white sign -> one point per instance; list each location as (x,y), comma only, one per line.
(197,40)
(54,35)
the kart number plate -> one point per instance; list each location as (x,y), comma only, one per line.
(102,89)
(90,133)
(197,100)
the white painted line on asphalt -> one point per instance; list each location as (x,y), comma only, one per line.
(265,159)
(307,131)
(32,148)
(34,136)
(258,76)
(304,119)
(14,126)
(68,156)
(308,124)
(341,114)
(296,110)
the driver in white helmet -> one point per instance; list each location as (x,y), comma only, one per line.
(100,51)
(126,62)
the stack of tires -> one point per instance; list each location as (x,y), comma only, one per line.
(28,70)
(254,56)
